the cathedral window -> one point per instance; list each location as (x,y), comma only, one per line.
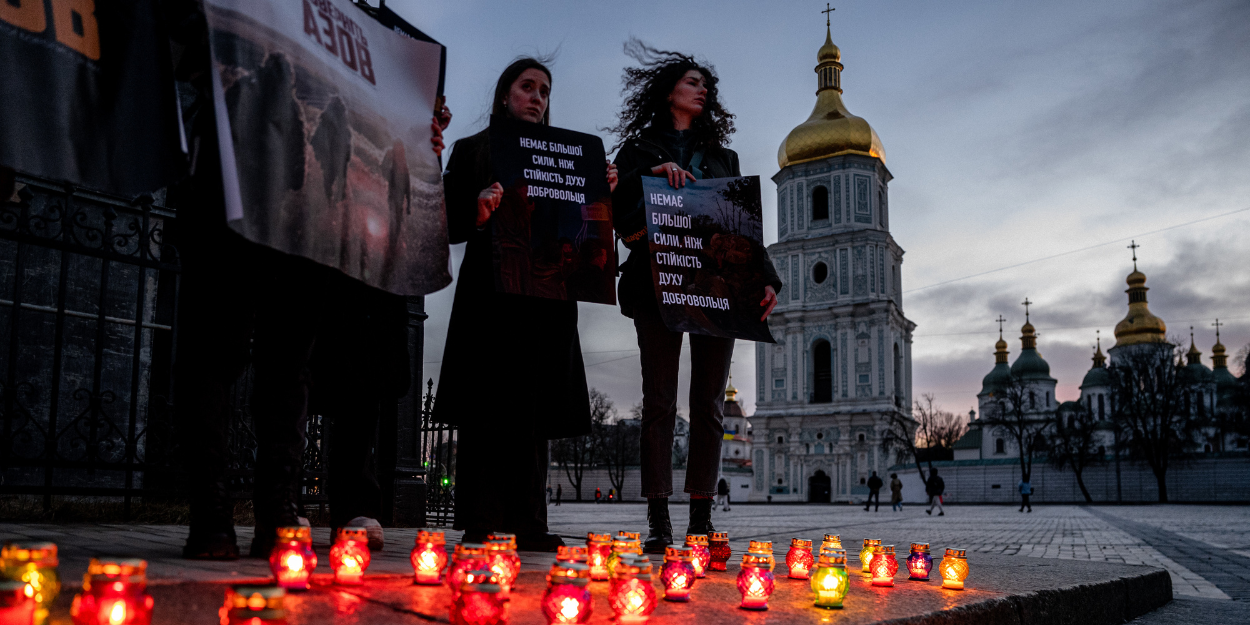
(1032,399)
(822,367)
(1000,446)
(1047,398)
(780,440)
(861,437)
(1101,412)
(820,203)
(820,272)
(820,435)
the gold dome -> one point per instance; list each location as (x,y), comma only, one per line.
(1140,325)
(830,130)
(731,393)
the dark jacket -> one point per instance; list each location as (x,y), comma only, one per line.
(722,487)
(874,483)
(935,487)
(511,362)
(636,159)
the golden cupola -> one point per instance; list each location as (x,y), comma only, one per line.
(831,130)
(1140,325)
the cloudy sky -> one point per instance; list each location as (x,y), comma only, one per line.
(1029,143)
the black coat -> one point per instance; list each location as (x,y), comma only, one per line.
(636,159)
(874,483)
(511,362)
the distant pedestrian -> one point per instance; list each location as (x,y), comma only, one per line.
(549,495)
(611,495)
(722,494)
(874,492)
(1026,489)
(598,495)
(934,488)
(896,493)
(559,493)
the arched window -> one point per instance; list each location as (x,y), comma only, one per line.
(861,437)
(898,377)
(1048,398)
(820,203)
(1101,405)
(1032,399)
(1000,446)
(822,366)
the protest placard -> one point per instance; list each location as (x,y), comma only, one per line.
(324,117)
(553,227)
(707,255)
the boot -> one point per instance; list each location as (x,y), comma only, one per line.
(659,527)
(700,517)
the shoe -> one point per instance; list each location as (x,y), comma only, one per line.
(373,529)
(659,526)
(928,512)
(941,514)
(547,543)
(865,509)
(700,517)
(214,546)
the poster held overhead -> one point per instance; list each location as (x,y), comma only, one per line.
(708,260)
(324,121)
(553,228)
(87,95)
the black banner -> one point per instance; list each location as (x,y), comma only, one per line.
(88,94)
(553,228)
(707,255)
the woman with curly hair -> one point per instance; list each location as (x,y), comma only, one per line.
(673,126)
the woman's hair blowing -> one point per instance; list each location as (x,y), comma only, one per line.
(647,87)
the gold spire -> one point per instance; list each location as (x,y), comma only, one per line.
(1193,356)
(830,130)
(731,393)
(1000,348)
(1140,325)
(1099,359)
(1028,338)
(1219,359)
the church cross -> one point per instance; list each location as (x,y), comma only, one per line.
(1026,303)
(1000,321)
(1133,246)
(827,11)
(1217,325)
(1191,335)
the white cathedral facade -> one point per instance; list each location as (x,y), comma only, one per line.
(842,361)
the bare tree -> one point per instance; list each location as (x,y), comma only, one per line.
(575,455)
(1149,389)
(1013,415)
(619,446)
(906,435)
(1075,443)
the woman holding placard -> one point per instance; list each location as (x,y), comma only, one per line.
(512,375)
(673,126)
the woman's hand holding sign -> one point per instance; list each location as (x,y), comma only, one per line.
(676,176)
(487,201)
(770,301)
(612,177)
(441,119)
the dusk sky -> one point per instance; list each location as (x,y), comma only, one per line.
(1029,142)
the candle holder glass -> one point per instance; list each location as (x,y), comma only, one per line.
(884,565)
(16,608)
(678,573)
(567,599)
(865,554)
(755,582)
(829,579)
(718,546)
(429,557)
(114,592)
(799,560)
(919,562)
(954,568)
(35,565)
(598,551)
(631,595)
(698,544)
(350,556)
(293,560)
(478,601)
(253,605)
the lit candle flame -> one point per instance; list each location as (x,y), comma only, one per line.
(117,613)
(295,562)
(679,581)
(635,600)
(569,608)
(829,582)
(756,587)
(428,560)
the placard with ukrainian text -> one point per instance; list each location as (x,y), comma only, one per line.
(553,227)
(324,116)
(707,255)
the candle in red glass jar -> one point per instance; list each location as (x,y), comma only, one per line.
(504,560)
(632,596)
(479,601)
(567,600)
(799,559)
(698,544)
(884,565)
(293,559)
(598,549)
(35,564)
(349,557)
(764,549)
(16,608)
(755,582)
(429,557)
(718,546)
(466,558)
(678,573)
(254,605)
(571,553)
(114,592)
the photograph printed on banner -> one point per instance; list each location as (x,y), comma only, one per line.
(324,118)
(707,255)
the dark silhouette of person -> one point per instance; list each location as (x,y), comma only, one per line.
(399,201)
(874,491)
(332,147)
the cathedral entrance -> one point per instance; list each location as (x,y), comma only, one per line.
(819,488)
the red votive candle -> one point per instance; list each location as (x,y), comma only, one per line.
(254,605)
(567,599)
(293,559)
(718,546)
(698,544)
(479,601)
(16,608)
(429,557)
(114,592)
(755,582)
(632,597)
(799,559)
(678,573)
(504,561)
(598,549)
(884,565)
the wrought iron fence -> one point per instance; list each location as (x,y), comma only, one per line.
(437,455)
(87,319)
